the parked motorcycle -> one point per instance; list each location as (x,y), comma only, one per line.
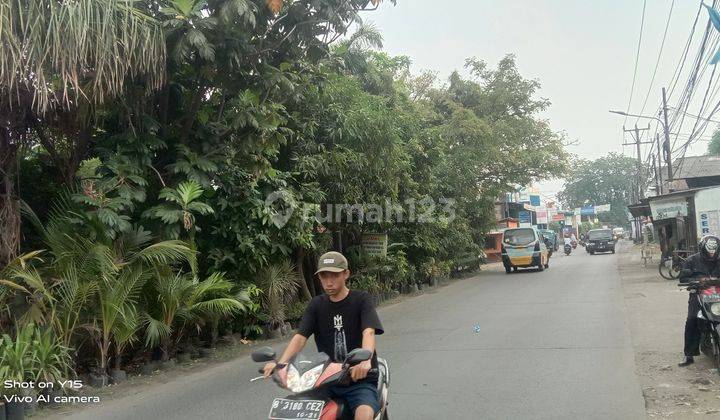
(568,249)
(708,294)
(309,377)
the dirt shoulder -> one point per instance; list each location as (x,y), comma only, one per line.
(656,311)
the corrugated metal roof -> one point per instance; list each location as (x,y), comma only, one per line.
(696,166)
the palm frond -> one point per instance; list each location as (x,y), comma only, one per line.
(155,331)
(165,252)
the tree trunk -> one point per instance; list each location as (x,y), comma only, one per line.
(118,358)
(9,204)
(299,258)
(165,349)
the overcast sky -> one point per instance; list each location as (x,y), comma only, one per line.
(582,52)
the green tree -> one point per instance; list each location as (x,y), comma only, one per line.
(606,180)
(714,145)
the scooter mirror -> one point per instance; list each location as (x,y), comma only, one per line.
(358,355)
(263,354)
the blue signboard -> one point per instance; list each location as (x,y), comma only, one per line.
(535,200)
(587,210)
(525,216)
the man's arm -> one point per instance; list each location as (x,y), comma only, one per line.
(360,370)
(296,344)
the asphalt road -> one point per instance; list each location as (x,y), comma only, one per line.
(529,345)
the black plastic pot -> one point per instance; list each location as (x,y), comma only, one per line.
(51,394)
(15,411)
(184,357)
(31,406)
(207,352)
(99,380)
(167,365)
(149,367)
(117,376)
(275,333)
(414,288)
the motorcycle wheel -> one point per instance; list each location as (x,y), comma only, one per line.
(717,354)
(706,345)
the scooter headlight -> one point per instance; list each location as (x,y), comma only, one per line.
(715,309)
(297,383)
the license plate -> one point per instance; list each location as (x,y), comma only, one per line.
(284,409)
(711,298)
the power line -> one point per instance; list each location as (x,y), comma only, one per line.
(697,116)
(637,59)
(678,69)
(657,62)
(695,75)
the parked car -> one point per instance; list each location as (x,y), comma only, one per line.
(524,247)
(600,240)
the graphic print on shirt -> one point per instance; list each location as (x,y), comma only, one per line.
(340,347)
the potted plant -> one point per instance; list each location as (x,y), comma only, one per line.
(52,361)
(18,365)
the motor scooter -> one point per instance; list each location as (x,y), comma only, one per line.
(308,379)
(707,291)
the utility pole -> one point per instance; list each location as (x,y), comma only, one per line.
(666,129)
(659,162)
(637,144)
(656,172)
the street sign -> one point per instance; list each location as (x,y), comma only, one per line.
(542,216)
(707,212)
(524,216)
(668,209)
(603,208)
(587,210)
(375,243)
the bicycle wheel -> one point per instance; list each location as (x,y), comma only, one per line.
(665,270)
(674,271)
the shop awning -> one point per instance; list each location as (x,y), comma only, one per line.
(639,209)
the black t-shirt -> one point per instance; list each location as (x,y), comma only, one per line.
(338,326)
(698,266)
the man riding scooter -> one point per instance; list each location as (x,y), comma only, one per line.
(341,320)
(704,264)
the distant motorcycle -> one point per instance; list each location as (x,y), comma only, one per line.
(568,249)
(708,294)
